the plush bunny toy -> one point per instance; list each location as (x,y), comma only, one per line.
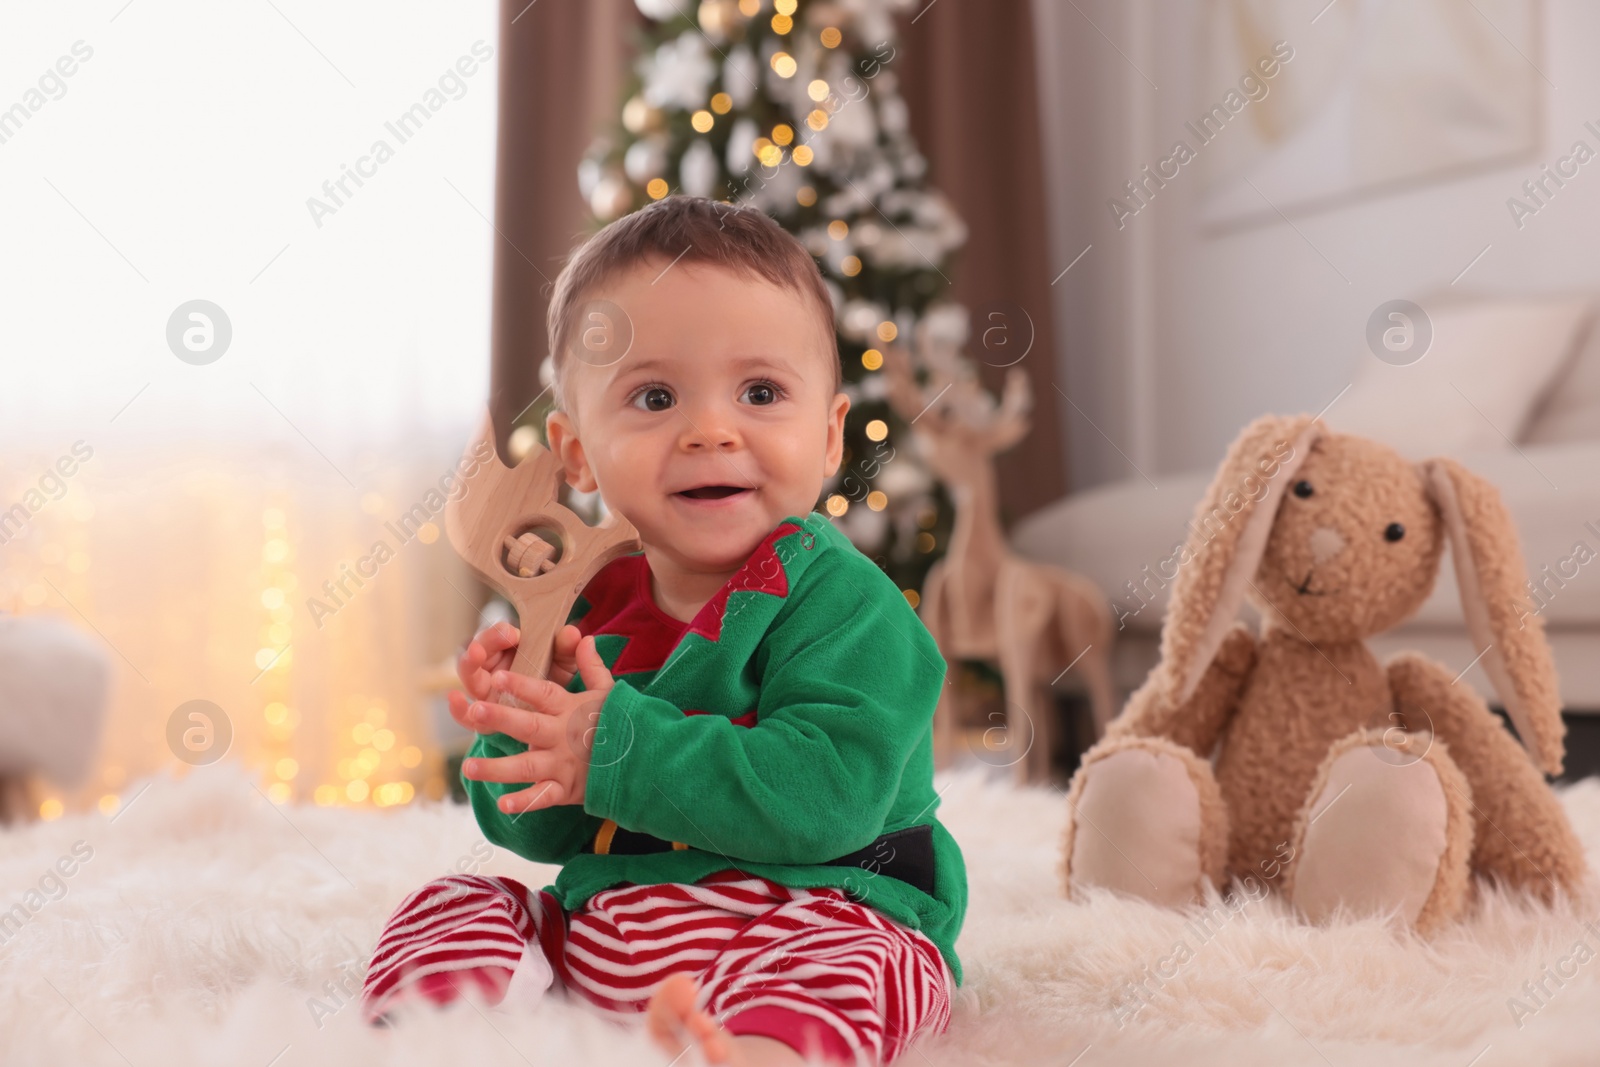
(1294,756)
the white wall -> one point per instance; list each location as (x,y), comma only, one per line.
(1174,338)
(178,161)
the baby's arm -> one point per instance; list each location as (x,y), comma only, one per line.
(849,680)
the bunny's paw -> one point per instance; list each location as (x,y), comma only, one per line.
(1147,820)
(1387,830)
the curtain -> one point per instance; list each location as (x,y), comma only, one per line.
(967,71)
(563,66)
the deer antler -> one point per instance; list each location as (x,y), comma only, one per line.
(1010,421)
(906,397)
(957,405)
(512,530)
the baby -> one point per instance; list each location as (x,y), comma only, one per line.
(732,759)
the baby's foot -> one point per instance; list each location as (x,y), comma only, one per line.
(672,1011)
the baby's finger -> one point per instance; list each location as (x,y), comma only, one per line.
(499,644)
(519,768)
(544,794)
(540,694)
(498,638)
(564,663)
(567,639)
(468,664)
(532,729)
(595,676)
(458,702)
(500,661)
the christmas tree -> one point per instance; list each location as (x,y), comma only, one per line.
(792,107)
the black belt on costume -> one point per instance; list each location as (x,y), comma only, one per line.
(905,855)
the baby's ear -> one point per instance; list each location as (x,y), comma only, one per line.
(834,452)
(562,433)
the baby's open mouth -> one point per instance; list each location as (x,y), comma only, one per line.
(714,492)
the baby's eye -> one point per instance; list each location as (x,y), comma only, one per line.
(654,398)
(763,393)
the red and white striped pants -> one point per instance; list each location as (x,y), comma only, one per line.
(825,975)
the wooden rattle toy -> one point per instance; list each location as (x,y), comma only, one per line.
(510,527)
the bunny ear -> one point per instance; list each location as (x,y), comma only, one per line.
(1492,578)
(1227,537)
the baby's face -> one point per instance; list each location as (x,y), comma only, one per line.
(720,420)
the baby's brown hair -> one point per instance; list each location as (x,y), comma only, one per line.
(687,229)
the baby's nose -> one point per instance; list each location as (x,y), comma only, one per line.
(1326,542)
(709,428)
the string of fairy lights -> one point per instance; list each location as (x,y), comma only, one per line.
(877,430)
(367,762)
(717,17)
(275,657)
(365,747)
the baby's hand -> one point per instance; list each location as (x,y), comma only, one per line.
(557,726)
(494,649)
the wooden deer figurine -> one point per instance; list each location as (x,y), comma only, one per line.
(981,601)
(510,527)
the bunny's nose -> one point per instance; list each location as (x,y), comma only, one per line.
(1326,543)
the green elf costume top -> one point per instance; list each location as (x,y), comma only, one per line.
(785,731)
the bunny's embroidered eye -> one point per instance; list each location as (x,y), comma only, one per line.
(1393,532)
(1302,489)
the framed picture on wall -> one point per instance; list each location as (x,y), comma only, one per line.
(1368,96)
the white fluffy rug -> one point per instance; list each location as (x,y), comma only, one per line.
(208,927)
